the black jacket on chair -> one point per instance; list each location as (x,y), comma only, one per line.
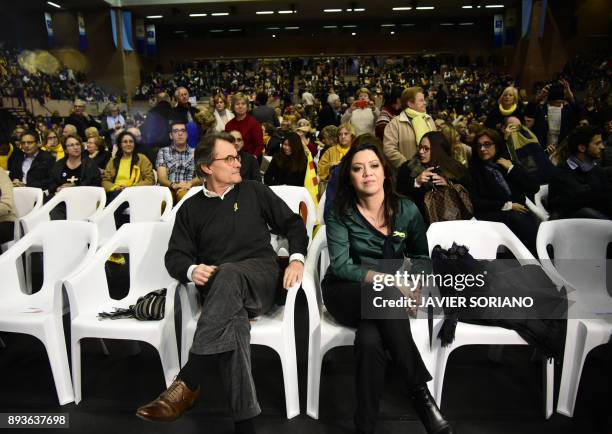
(39,174)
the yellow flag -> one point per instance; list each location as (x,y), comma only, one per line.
(311,182)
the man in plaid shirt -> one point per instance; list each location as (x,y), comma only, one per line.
(175,164)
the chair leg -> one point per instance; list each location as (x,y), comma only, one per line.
(168,353)
(549,383)
(76,368)
(56,350)
(443,354)
(315,360)
(290,377)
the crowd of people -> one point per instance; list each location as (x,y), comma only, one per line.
(413,144)
(64,84)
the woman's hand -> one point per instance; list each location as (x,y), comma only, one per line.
(425,176)
(506,164)
(438,180)
(519,208)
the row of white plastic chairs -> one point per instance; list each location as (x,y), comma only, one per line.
(70,246)
(475,236)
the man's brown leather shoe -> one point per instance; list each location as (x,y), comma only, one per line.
(170,405)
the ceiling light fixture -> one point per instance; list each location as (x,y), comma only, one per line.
(154,17)
(466,7)
(198,15)
(273,28)
(55,5)
(359,10)
(392,33)
(235,30)
(220,14)
(353,34)
(425,8)
(291,28)
(349,26)
(332,10)
(274,36)
(216,31)
(264,12)
(493,6)
(402,8)
(466,24)
(447,24)
(330,27)
(287,12)
(387,25)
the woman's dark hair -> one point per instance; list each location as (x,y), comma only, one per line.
(501,150)
(297,161)
(346,197)
(441,155)
(119,153)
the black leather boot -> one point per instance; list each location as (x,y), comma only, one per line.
(429,413)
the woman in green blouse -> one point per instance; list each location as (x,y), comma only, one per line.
(369,228)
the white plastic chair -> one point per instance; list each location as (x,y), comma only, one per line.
(65,246)
(300,202)
(145,205)
(275,329)
(483,238)
(538,207)
(579,263)
(89,294)
(325,333)
(321,209)
(172,214)
(26,200)
(82,203)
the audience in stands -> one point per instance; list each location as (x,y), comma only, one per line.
(433,168)
(404,132)
(222,114)
(113,122)
(362,114)
(392,107)
(183,111)
(156,128)
(508,104)
(262,112)
(459,151)
(7,208)
(81,119)
(306,133)
(580,188)
(500,188)
(333,155)
(51,143)
(330,114)
(175,164)
(288,167)
(74,169)
(366,215)
(249,167)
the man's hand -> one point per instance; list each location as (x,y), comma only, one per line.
(519,208)
(202,273)
(18,183)
(293,274)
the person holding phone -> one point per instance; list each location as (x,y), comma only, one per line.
(362,114)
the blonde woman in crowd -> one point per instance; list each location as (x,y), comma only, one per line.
(460,151)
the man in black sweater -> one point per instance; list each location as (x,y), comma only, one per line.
(221,242)
(581,189)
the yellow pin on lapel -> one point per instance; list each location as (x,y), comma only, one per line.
(235,206)
(399,234)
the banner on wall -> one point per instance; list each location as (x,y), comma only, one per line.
(543,13)
(49,26)
(526,17)
(140,36)
(82,34)
(510,25)
(498,30)
(151,43)
(113,17)
(126,31)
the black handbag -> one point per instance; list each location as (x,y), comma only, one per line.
(149,307)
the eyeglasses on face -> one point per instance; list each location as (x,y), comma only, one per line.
(230,159)
(486,145)
(179,131)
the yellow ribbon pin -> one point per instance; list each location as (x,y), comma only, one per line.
(399,234)
(235,206)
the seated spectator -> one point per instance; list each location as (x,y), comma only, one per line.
(362,114)
(69,130)
(127,168)
(346,136)
(523,146)
(248,126)
(184,111)
(404,132)
(581,189)
(175,165)
(7,208)
(305,131)
(263,112)
(52,144)
(273,139)
(459,151)
(249,167)
(288,167)
(114,122)
(31,167)
(329,137)
(74,169)
(96,150)
(222,114)
(81,119)
(92,132)
(433,167)
(508,104)
(500,188)
(392,108)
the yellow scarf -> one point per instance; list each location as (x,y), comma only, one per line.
(4,158)
(419,123)
(124,177)
(508,112)
(57,150)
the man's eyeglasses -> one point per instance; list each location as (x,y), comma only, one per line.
(486,145)
(230,159)
(179,131)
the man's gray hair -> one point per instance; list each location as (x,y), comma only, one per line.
(205,152)
(331,98)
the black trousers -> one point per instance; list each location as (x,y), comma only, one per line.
(6,231)
(375,341)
